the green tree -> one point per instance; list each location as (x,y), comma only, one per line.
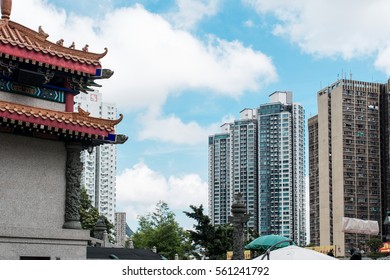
(160,229)
(374,244)
(214,240)
(89,215)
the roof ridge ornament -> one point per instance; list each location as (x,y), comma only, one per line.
(83,112)
(42,33)
(6,6)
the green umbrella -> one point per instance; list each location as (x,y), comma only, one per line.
(266,241)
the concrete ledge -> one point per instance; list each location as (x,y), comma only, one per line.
(43,233)
(64,244)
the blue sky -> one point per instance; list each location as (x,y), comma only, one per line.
(183,67)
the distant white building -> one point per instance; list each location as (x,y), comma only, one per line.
(99,174)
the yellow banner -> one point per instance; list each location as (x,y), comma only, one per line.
(324,249)
(247,255)
(385,248)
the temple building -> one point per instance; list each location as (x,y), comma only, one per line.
(41,138)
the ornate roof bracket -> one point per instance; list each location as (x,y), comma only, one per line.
(104,74)
(47,74)
(110,139)
(82,84)
(7,69)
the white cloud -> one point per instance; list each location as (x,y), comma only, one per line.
(151,59)
(249,23)
(346,28)
(190,12)
(140,188)
(172,129)
(157,61)
(382,61)
(228,119)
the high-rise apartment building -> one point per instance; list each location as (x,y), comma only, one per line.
(262,156)
(314,195)
(233,168)
(385,160)
(243,139)
(345,162)
(282,168)
(220,196)
(99,165)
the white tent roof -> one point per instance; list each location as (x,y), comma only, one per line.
(295,253)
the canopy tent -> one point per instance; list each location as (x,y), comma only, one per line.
(266,241)
(294,252)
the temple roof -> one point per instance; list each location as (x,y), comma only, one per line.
(79,122)
(23,42)
(25,58)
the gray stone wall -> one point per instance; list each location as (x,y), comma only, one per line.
(32,201)
(32,185)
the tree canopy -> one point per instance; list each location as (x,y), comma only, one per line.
(89,215)
(214,240)
(374,244)
(160,229)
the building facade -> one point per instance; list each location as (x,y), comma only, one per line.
(282,168)
(244,163)
(345,162)
(262,156)
(99,165)
(219,196)
(385,160)
(314,204)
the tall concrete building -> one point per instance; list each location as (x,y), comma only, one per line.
(244,162)
(282,168)
(262,156)
(385,160)
(233,168)
(345,162)
(219,197)
(314,195)
(99,171)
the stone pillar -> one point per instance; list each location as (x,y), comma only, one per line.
(100,229)
(238,220)
(73,175)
